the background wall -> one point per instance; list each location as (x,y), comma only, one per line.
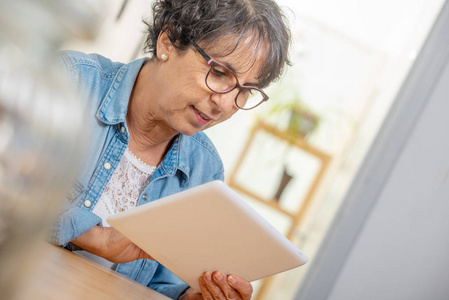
(389,240)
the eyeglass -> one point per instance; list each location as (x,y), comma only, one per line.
(221,80)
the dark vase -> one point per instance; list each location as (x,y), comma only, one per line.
(285,179)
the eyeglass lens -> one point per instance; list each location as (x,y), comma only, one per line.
(222,80)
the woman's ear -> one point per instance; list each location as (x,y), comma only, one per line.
(164,45)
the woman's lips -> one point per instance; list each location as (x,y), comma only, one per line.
(201,118)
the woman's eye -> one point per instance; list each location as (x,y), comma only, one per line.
(247,92)
(218,72)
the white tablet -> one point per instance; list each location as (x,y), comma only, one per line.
(208,228)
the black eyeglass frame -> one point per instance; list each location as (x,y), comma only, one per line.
(237,84)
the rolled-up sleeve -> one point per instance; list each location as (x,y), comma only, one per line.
(72,223)
(167,283)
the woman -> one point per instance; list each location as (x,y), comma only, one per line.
(145,121)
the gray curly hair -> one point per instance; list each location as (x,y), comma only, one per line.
(205,21)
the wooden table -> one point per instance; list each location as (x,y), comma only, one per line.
(60,274)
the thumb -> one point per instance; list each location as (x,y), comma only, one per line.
(243,287)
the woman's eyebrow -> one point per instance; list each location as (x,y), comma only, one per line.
(228,65)
(251,84)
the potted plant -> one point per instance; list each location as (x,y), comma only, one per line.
(301,121)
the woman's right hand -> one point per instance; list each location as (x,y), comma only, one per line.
(218,286)
(110,244)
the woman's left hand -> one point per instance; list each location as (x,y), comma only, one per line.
(218,286)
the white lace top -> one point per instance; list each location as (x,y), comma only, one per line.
(125,186)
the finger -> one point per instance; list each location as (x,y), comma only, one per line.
(204,291)
(229,292)
(243,287)
(212,287)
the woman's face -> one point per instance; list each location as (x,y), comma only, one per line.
(183,100)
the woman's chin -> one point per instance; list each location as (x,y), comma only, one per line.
(190,130)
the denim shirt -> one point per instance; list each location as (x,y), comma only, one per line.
(105,88)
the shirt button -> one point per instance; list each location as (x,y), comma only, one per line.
(122,129)
(87,203)
(145,197)
(107,166)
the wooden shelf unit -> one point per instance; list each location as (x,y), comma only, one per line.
(295,217)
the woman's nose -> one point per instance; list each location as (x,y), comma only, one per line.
(225,102)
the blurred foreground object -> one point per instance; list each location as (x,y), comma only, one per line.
(41,128)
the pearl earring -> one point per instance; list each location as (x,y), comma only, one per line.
(164,57)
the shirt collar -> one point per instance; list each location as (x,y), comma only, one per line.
(113,110)
(114,106)
(177,158)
